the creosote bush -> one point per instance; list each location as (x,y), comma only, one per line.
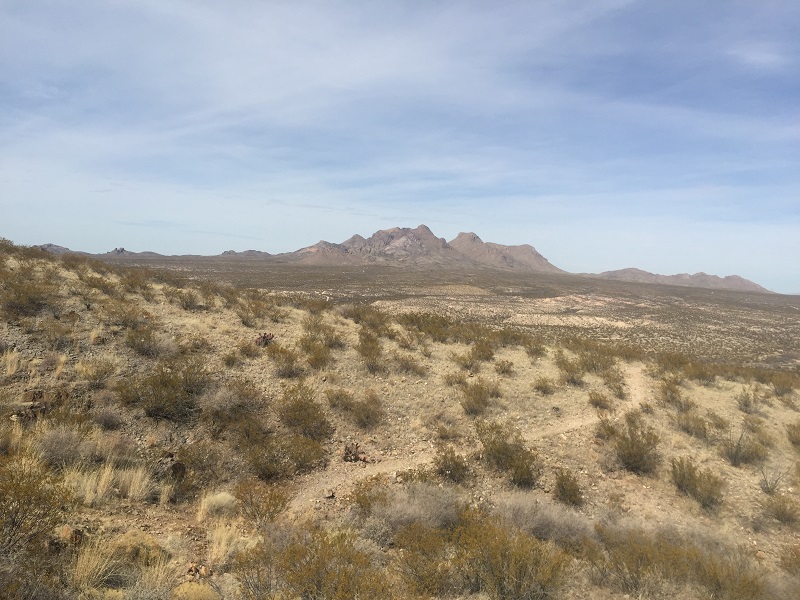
(505,450)
(451,466)
(567,489)
(702,485)
(477,395)
(286,360)
(782,508)
(370,350)
(300,411)
(743,449)
(544,386)
(637,445)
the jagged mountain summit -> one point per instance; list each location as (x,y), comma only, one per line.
(523,257)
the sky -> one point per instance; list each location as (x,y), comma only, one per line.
(663,135)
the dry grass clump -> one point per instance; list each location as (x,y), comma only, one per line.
(147,340)
(504,449)
(408,365)
(703,486)
(477,396)
(96,372)
(61,446)
(216,505)
(637,445)
(457,378)
(567,489)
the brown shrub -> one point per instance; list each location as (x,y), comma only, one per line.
(637,445)
(504,449)
(451,466)
(703,486)
(287,361)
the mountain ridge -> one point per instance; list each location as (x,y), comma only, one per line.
(420,247)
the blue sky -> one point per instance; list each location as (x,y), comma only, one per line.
(608,134)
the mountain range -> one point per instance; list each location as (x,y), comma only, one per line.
(420,248)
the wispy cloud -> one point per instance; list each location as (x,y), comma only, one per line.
(205,123)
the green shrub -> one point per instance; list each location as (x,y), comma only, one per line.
(567,489)
(451,466)
(328,564)
(170,391)
(703,486)
(32,503)
(261,504)
(508,564)
(301,412)
(637,445)
(504,449)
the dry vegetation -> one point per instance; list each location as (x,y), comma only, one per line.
(631,441)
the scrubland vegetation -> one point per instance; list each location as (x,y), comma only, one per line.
(154,445)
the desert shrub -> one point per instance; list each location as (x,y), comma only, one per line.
(693,424)
(102,284)
(455,378)
(671,362)
(747,401)
(571,370)
(599,400)
(248,349)
(637,445)
(567,488)
(339,398)
(25,295)
(127,315)
(369,412)
(534,348)
(784,383)
(228,407)
(436,327)
(544,386)
(321,563)
(504,367)
(546,521)
(96,566)
(606,429)
(596,359)
(782,508)
(230,359)
(287,361)
(108,418)
(770,481)
(424,563)
(504,449)
(703,486)
(509,564)
(253,306)
(793,433)
(369,348)
(300,411)
(790,559)
(285,456)
(615,382)
(403,363)
(743,449)
(318,330)
(428,503)
(669,393)
(32,503)
(703,373)
(259,503)
(170,391)
(318,355)
(477,395)
(451,466)
(147,341)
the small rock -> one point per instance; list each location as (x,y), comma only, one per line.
(328,493)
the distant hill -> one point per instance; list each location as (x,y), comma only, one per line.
(701,280)
(421,248)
